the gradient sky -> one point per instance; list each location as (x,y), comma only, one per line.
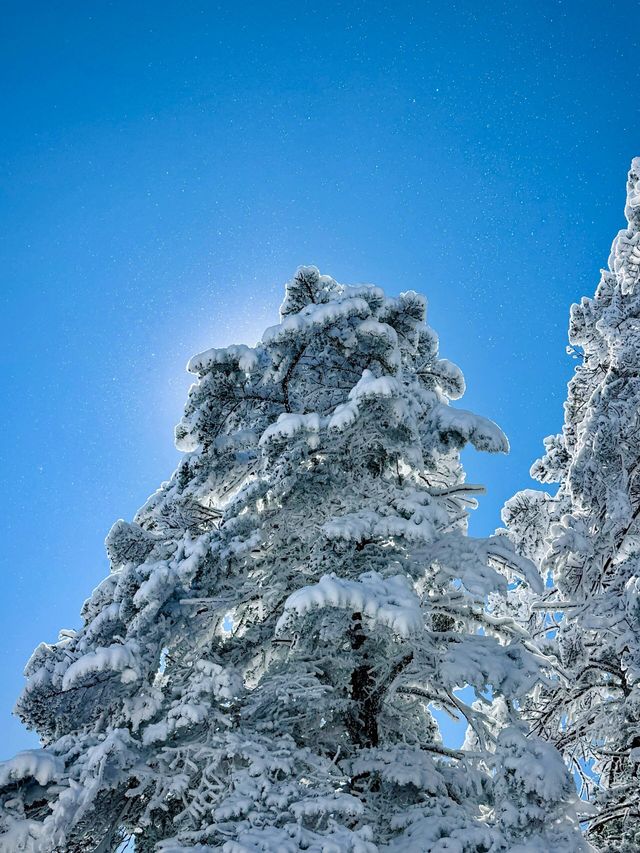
(165,168)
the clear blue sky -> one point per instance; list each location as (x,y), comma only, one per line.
(166,166)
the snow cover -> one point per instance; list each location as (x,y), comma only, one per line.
(338,804)
(32,763)
(288,425)
(245,357)
(115,658)
(391,601)
(312,318)
(481,432)
(358,527)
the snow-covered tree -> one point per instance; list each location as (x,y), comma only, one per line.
(259,671)
(588,535)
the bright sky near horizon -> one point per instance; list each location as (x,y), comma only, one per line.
(165,168)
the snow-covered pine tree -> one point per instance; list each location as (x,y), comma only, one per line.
(257,672)
(588,535)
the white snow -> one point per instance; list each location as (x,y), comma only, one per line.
(114,658)
(402,765)
(374,386)
(314,317)
(337,804)
(481,432)
(32,763)
(389,601)
(356,527)
(289,425)
(245,357)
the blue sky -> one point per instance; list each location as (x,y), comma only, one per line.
(166,166)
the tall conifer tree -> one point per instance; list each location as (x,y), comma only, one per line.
(259,670)
(588,535)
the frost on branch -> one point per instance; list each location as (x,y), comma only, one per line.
(588,536)
(260,670)
(531,781)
